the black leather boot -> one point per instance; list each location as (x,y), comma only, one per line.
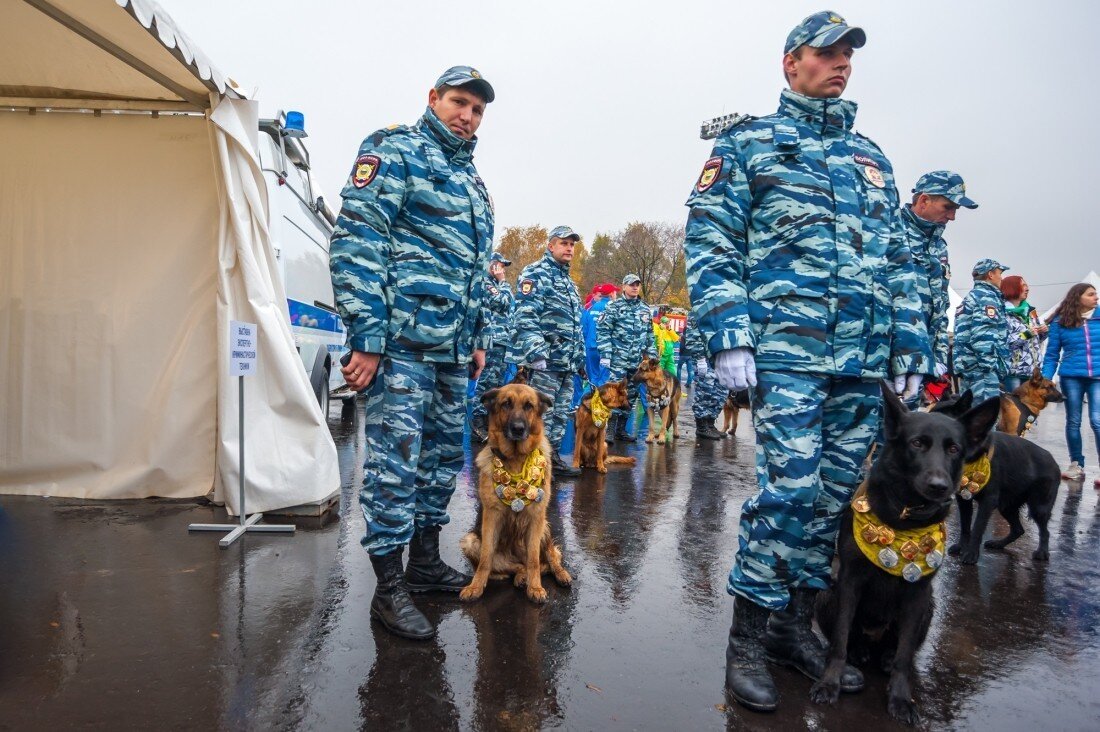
(609,431)
(391,604)
(621,435)
(561,468)
(705,429)
(791,641)
(748,680)
(426,571)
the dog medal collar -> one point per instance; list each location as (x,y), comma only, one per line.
(975,476)
(921,548)
(599,410)
(517,491)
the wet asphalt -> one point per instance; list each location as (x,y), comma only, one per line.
(113,617)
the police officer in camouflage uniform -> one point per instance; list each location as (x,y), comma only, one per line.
(547,335)
(499,302)
(981,333)
(624,336)
(801,290)
(709,396)
(408,258)
(936,198)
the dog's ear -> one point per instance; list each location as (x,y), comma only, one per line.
(489,398)
(545,401)
(959,407)
(1036,377)
(893,410)
(980,420)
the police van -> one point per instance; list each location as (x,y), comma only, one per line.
(301,225)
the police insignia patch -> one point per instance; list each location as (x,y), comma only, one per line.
(864,160)
(527,286)
(991,311)
(874,176)
(711,169)
(493,291)
(366,167)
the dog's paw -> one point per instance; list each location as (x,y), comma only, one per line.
(969,556)
(537,594)
(520,580)
(1041,555)
(648,440)
(994,544)
(563,577)
(954,549)
(470,593)
(601,469)
(903,710)
(823,692)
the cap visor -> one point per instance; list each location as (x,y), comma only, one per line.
(853,35)
(966,202)
(481,87)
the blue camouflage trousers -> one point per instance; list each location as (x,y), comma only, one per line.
(812,433)
(491,377)
(709,397)
(414,417)
(558,385)
(984,384)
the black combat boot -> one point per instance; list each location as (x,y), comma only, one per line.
(426,571)
(609,430)
(748,680)
(791,641)
(621,435)
(561,468)
(391,604)
(705,429)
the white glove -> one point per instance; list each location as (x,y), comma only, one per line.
(605,362)
(941,370)
(735,368)
(907,385)
(701,367)
(539,365)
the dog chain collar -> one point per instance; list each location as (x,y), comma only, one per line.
(518,490)
(599,410)
(1027,417)
(976,475)
(885,547)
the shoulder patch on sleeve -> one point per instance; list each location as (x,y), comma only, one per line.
(991,311)
(527,286)
(711,170)
(365,170)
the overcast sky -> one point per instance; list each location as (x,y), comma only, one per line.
(598,104)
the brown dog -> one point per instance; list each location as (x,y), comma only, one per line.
(512,536)
(1021,408)
(590,448)
(731,410)
(662,399)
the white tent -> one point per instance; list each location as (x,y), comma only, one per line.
(1092,278)
(954,301)
(133,228)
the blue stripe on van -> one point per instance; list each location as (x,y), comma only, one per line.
(311,316)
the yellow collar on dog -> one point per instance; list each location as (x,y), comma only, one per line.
(975,476)
(907,553)
(599,410)
(518,490)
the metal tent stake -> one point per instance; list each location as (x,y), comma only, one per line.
(243,365)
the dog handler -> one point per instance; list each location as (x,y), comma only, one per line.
(981,333)
(500,302)
(710,395)
(624,335)
(408,258)
(803,291)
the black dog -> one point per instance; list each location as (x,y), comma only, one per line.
(909,489)
(1020,472)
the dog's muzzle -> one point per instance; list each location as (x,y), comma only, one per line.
(516,430)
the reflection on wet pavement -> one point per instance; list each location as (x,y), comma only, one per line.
(111,616)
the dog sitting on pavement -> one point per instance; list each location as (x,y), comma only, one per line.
(1021,408)
(891,541)
(662,399)
(511,535)
(590,422)
(735,402)
(1003,472)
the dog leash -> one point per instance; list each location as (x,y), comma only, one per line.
(1027,417)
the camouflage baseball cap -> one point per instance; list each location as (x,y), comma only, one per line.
(945,183)
(498,257)
(632,279)
(467,75)
(985,266)
(564,232)
(824,29)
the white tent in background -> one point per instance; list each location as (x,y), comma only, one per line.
(1092,278)
(955,300)
(133,228)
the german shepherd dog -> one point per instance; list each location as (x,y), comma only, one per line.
(911,486)
(1021,408)
(662,399)
(1020,473)
(735,402)
(507,541)
(591,448)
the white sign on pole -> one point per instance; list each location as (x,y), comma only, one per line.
(242,348)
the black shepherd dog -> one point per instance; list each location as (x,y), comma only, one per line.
(869,611)
(1021,473)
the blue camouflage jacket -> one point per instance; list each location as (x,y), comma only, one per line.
(547,320)
(693,346)
(933,271)
(412,244)
(793,247)
(981,332)
(624,334)
(499,302)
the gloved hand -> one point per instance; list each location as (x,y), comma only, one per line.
(539,365)
(605,362)
(701,367)
(735,368)
(907,385)
(941,370)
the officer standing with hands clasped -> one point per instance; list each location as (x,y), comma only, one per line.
(547,336)
(803,293)
(981,333)
(624,335)
(499,301)
(407,256)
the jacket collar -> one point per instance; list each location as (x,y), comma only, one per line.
(929,229)
(818,113)
(990,285)
(454,147)
(554,263)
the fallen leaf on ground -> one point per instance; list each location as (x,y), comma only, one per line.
(594,688)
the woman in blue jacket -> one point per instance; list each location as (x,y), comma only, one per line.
(1074,352)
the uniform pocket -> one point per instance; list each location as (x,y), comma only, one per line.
(425,316)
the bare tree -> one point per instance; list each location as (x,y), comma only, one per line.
(655,252)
